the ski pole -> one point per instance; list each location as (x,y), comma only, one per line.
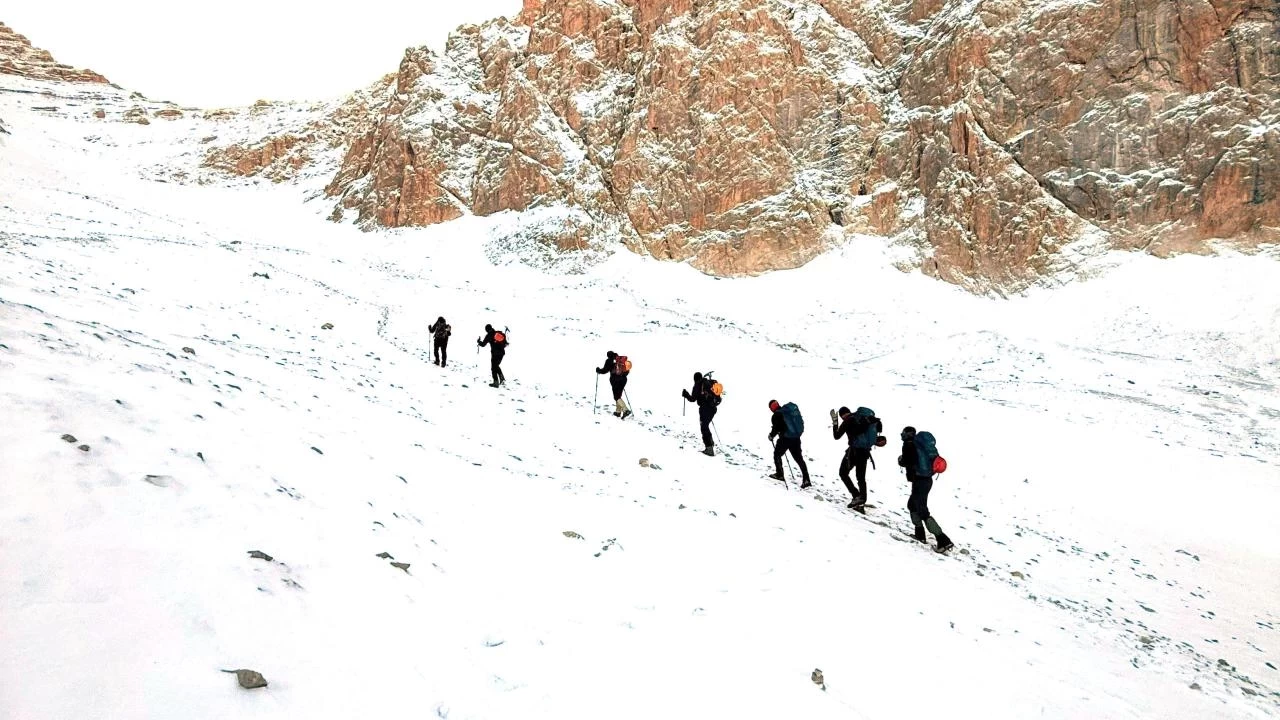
(595,400)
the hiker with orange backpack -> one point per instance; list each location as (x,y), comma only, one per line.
(706,393)
(617,367)
(921,462)
(497,342)
(787,426)
(863,430)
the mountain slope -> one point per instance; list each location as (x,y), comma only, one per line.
(998,142)
(1115,452)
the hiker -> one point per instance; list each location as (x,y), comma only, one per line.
(788,425)
(911,460)
(862,428)
(617,367)
(497,342)
(707,400)
(440,332)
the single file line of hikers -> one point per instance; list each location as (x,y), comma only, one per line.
(861,428)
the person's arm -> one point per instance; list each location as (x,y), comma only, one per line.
(779,425)
(839,429)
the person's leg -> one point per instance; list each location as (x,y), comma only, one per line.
(914,507)
(846,464)
(779,447)
(444,353)
(497,364)
(493,368)
(705,416)
(860,458)
(799,456)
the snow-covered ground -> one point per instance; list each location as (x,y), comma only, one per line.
(1113,442)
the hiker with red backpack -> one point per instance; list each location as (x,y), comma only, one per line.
(921,461)
(497,342)
(788,426)
(863,429)
(617,367)
(440,332)
(706,393)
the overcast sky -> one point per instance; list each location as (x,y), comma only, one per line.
(233,52)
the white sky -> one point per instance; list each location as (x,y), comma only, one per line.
(233,52)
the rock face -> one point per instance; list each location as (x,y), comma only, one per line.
(1002,139)
(18,57)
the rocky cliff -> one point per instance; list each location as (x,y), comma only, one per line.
(998,138)
(18,57)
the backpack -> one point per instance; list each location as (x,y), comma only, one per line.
(713,387)
(443,332)
(794,422)
(499,337)
(867,438)
(621,365)
(928,461)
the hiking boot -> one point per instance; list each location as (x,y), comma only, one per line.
(856,503)
(944,544)
(626,414)
(805,484)
(709,451)
(617,414)
(777,476)
(920,534)
(493,384)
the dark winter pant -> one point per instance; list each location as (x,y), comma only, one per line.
(918,506)
(706,413)
(618,383)
(791,445)
(441,351)
(856,459)
(495,366)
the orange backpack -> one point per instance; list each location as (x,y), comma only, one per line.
(621,365)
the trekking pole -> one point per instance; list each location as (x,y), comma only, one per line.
(716,431)
(627,395)
(791,470)
(595,400)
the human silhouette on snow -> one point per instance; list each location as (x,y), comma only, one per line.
(786,443)
(440,332)
(617,383)
(497,342)
(707,402)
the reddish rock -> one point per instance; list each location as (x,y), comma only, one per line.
(18,57)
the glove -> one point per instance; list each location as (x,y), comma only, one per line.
(770,437)
(834,417)
(685,394)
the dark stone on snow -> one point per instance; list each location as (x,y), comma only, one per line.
(402,566)
(385,556)
(259,555)
(69,438)
(83,448)
(249,679)
(189,351)
(317,450)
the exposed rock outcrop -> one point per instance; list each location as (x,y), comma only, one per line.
(744,135)
(18,57)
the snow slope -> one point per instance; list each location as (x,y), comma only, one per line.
(1113,442)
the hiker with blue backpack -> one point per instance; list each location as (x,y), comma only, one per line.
(863,429)
(788,426)
(921,462)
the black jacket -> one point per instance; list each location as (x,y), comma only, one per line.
(779,428)
(702,395)
(610,364)
(441,331)
(907,459)
(851,427)
(497,348)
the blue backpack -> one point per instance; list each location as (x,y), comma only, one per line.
(926,456)
(794,422)
(867,438)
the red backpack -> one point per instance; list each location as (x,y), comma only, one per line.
(621,365)
(499,337)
